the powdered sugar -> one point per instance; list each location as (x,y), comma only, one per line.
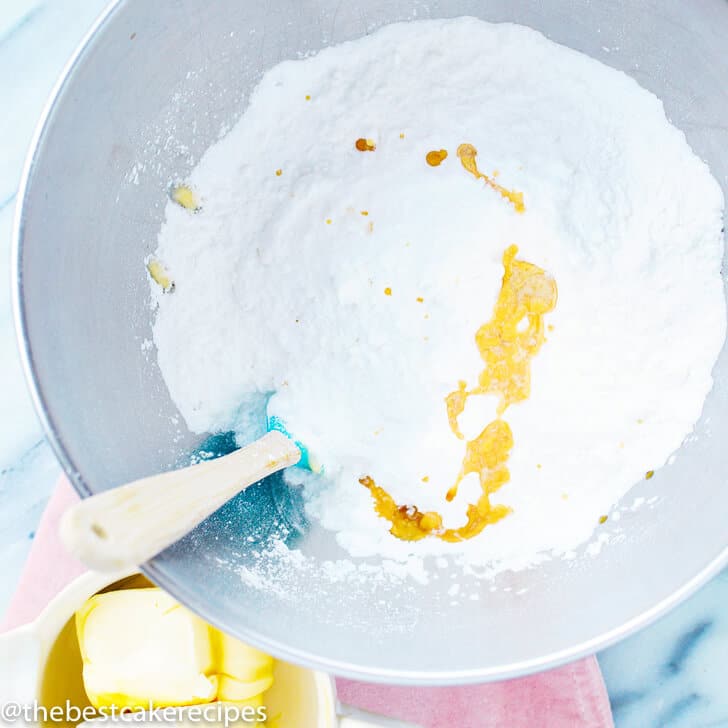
(284,286)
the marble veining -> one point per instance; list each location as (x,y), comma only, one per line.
(670,675)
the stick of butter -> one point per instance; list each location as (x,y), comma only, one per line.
(140,646)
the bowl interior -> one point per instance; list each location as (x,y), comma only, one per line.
(155,85)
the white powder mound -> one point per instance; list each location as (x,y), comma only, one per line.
(282,282)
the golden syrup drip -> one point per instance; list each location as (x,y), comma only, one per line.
(436,157)
(527,294)
(506,347)
(365,145)
(408,523)
(467,154)
(486,456)
(455,404)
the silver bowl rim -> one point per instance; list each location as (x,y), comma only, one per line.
(187,596)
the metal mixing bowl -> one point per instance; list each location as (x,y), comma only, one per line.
(153,85)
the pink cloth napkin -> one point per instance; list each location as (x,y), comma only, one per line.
(572,696)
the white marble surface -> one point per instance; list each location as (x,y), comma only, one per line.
(671,674)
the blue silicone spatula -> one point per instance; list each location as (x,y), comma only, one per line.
(123,527)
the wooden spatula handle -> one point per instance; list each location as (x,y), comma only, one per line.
(128,525)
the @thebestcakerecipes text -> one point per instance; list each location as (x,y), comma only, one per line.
(227,715)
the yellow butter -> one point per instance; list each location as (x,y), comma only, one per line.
(238,660)
(160,276)
(185,197)
(140,646)
(236,691)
